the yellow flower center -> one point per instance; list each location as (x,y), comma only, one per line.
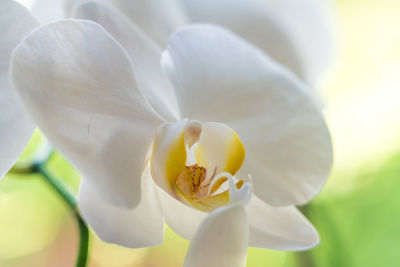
(199,191)
(190,158)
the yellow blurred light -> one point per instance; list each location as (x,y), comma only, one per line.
(105,254)
(30,216)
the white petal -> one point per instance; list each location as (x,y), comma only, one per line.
(183,219)
(280,228)
(295,33)
(219,77)
(78,83)
(221,240)
(158,18)
(25,3)
(48,10)
(145,55)
(219,149)
(187,225)
(70,5)
(15,126)
(141,226)
(241,195)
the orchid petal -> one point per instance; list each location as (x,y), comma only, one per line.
(221,240)
(168,157)
(280,228)
(141,226)
(158,18)
(219,149)
(79,84)
(48,10)
(70,6)
(297,34)
(15,125)
(145,55)
(220,77)
(185,226)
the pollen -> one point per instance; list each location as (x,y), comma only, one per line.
(191,181)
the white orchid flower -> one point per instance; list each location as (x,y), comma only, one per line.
(16,127)
(154,146)
(298,34)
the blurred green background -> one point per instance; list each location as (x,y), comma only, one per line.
(357,213)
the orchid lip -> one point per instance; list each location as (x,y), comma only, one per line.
(198,161)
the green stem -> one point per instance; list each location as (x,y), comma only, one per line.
(82,257)
(305,258)
(83,251)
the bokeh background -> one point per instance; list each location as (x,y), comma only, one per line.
(357,213)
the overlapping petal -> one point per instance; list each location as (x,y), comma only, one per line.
(168,157)
(220,77)
(221,240)
(79,84)
(185,225)
(141,226)
(158,18)
(280,228)
(144,53)
(70,5)
(295,33)
(48,10)
(219,149)
(15,125)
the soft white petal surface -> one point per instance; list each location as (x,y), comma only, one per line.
(280,228)
(141,226)
(15,126)
(183,219)
(158,18)
(48,10)
(220,77)
(79,85)
(219,149)
(145,55)
(221,240)
(70,5)
(295,33)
